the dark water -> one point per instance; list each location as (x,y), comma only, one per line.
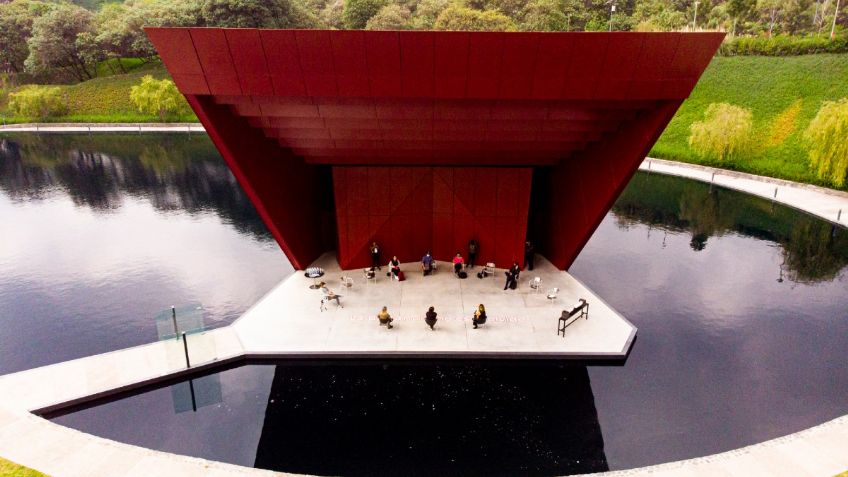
(742,309)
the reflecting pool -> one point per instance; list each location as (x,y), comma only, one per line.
(741,304)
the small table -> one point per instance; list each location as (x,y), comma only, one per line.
(314,273)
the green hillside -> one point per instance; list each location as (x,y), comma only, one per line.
(784,93)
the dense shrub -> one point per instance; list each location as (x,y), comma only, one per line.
(458,18)
(159,97)
(827,136)
(357,12)
(783,45)
(390,17)
(39,102)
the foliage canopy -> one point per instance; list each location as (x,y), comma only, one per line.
(724,132)
(827,136)
(39,102)
(159,97)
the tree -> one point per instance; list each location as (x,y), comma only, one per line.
(740,11)
(510,8)
(357,12)
(16,20)
(544,15)
(459,18)
(159,97)
(390,17)
(332,14)
(724,132)
(54,41)
(827,136)
(658,15)
(38,102)
(426,13)
(256,14)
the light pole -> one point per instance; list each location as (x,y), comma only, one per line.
(695,18)
(612,10)
(833,26)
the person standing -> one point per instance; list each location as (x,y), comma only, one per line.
(472,252)
(479,316)
(529,255)
(430,318)
(375,256)
(385,318)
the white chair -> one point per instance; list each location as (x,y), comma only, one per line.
(346,281)
(489,269)
(326,297)
(370,275)
(552,293)
(536,284)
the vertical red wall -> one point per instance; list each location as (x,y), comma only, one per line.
(409,210)
(573,197)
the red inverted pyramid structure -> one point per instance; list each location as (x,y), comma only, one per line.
(424,140)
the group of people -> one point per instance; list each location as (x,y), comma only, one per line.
(430,317)
(428,263)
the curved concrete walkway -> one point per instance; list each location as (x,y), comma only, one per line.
(103,127)
(29,440)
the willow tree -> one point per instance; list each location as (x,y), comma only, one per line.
(827,137)
(724,132)
(159,97)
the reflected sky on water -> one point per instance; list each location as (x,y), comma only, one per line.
(740,303)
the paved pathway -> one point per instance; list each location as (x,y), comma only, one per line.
(828,204)
(104,127)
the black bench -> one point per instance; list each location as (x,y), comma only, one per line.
(569,317)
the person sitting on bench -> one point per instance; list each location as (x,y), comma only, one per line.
(479,316)
(394,266)
(458,263)
(385,318)
(427,263)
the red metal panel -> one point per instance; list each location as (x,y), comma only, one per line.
(552,63)
(451,64)
(245,46)
(176,49)
(191,84)
(485,192)
(416,60)
(316,61)
(587,57)
(443,248)
(214,55)
(382,51)
(517,65)
(380,193)
(283,62)
(507,193)
(623,52)
(349,59)
(484,64)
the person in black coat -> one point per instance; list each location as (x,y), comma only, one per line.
(430,318)
(512,276)
(529,255)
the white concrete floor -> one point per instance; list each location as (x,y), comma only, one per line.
(521,323)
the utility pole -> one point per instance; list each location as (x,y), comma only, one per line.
(833,27)
(612,10)
(695,18)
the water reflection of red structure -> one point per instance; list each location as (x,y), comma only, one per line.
(424,140)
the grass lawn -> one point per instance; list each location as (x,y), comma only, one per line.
(101,100)
(10,469)
(784,94)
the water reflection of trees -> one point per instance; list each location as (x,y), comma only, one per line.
(173,172)
(813,250)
